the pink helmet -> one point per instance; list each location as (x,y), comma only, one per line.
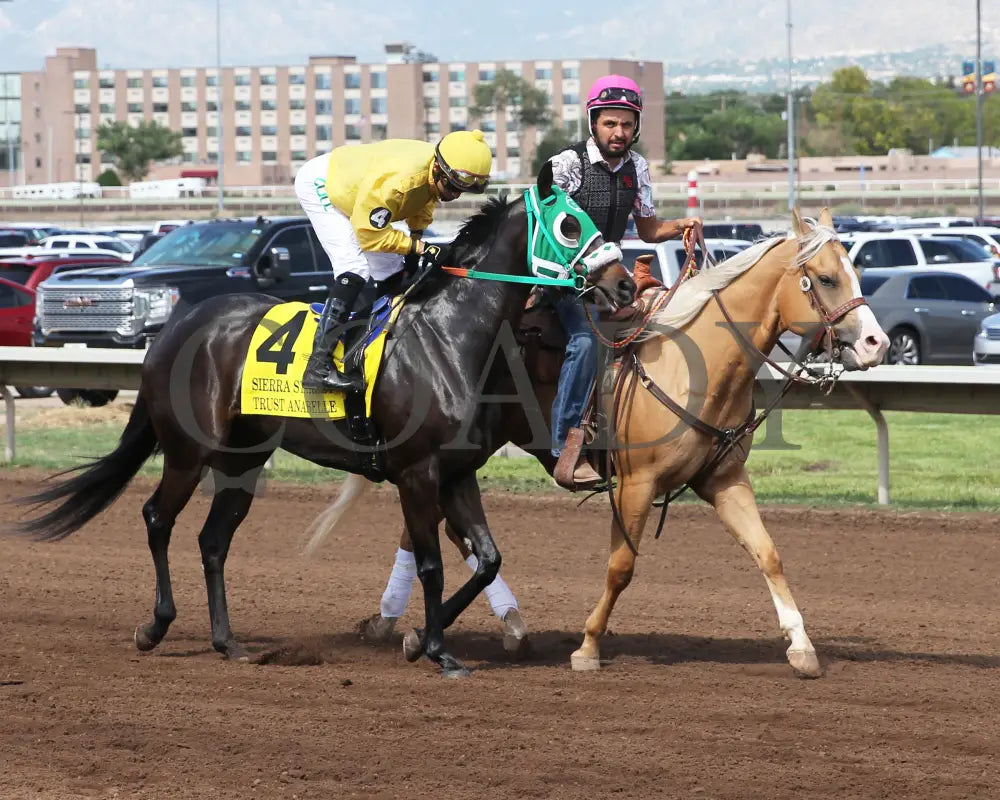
(615,91)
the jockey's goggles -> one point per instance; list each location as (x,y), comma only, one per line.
(628,95)
(461,181)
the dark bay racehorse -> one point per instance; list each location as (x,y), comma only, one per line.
(426,405)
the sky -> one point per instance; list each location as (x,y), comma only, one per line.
(173,33)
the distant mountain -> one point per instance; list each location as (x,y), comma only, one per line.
(771,74)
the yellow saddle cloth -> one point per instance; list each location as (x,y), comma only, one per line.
(276,360)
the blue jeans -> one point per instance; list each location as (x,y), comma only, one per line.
(578,370)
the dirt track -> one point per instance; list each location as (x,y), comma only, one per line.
(695,700)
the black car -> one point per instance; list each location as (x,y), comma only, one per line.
(126,306)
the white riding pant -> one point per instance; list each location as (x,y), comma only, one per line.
(334,229)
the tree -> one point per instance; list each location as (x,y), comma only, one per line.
(109,178)
(510,92)
(722,125)
(555,140)
(134,147)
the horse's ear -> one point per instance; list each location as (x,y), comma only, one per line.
(798,225)
(825,218)
(545,180)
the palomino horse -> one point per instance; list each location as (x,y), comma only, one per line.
(189,408)
(791,285)
(689,386)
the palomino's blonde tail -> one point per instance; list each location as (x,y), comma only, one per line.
(327,519)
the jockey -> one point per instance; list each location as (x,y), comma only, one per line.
(609,181)
(352,194)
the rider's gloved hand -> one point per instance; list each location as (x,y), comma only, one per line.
(430,259)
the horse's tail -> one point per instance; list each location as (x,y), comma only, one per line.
(327,519)
(98,483)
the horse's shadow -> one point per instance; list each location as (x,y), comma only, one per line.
(552,648)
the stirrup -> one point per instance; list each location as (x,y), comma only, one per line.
(337,381)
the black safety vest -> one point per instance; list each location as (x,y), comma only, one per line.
(607,197)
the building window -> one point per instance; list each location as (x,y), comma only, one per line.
(83,133)
(81,108)
(432,102)
(380,105)
(456,75)
(543,73)
(298,155)
(352,105)
(159,82)
(297,104)
(297,78)
(297,130)
(134,83)
(242,80)
(324,108)
(189,158)
(268,130)
(107,108)
(242,105)
(160,108)
(107,158)
(352,80)
(211,80)
(189,107)
(187,81)
(243,157)
(83,158)
(38,163)
(244,130)
(268,155)
(324,133)
(432,129)
(135,108)
(571,98)
(189,132)
(430,76)
(458,126)
(570,73)
(352,131)
(212,156)
(513,152)
(457,102)
(322,80)
(488,125)
(379,132)
(487,75)
(81,83)
(212,130)
(378,80)
(268,105)
(268,79)
(211,105)
(107,83)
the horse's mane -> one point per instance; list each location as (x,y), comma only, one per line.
(479,229)
(692,295)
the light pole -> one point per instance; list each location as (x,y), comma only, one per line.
(218,104)
(10,139)
(790,113)
(979,107)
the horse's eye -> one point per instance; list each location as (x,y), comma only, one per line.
(827,281)
(567,230)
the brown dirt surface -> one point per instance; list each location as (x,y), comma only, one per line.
(695,699)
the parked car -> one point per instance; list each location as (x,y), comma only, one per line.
(904,249)
(985,236)
(15,238)
(986,345)
(930,316)
(17,306)
(747,231)
(94,243)
(33,270)
(936,222)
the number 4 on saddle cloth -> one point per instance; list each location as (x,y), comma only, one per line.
(276,360)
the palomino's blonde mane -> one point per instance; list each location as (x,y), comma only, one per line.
(692,295)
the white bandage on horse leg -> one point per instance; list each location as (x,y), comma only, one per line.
(498,593)
(397,591)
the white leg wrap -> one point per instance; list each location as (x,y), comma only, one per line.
(791,623)
(397,591)
(498,593)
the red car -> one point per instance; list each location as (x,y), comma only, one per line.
(17,312)
(32,270)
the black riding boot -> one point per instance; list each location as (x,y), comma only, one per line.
(320,371)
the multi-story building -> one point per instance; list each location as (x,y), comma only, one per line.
(270,120)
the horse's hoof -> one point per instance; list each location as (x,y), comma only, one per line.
(515,635)
(236,652)
(143,641)
(377,629)
(584,663)
(804,663)
(412,649)
(456,672)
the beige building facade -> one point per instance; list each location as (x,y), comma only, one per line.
(270,120)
